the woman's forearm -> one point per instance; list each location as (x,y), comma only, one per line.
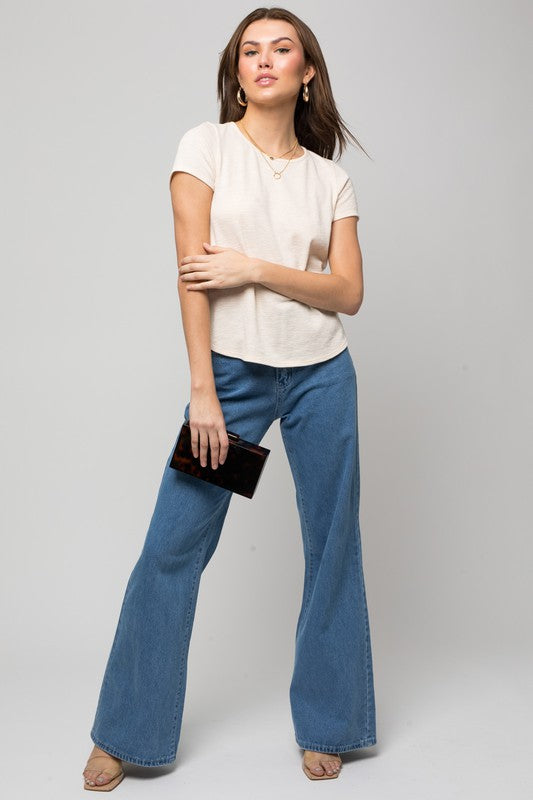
(191,204)
(195,316)
(320,290)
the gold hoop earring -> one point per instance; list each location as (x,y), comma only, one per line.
(239,100)
(305,93)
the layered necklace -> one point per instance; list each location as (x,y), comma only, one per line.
(277,173)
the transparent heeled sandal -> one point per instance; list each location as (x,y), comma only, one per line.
(103,787)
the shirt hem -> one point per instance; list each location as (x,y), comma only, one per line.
(287,363)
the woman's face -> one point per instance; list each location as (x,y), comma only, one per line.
(283,58)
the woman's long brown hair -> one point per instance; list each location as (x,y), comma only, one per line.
(317,123)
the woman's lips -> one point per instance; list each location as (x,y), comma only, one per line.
(265,81)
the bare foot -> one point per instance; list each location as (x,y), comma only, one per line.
(103,767)
(322,763)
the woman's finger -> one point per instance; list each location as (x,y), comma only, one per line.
(204,439)
(215,447)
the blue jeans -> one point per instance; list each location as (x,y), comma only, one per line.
(140,706)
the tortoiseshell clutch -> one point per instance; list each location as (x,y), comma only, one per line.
(239,473)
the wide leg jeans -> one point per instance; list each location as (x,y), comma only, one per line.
(140,705)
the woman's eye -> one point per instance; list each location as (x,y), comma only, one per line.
(285,49)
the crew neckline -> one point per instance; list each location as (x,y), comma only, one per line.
(241,134)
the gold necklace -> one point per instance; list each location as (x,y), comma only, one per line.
(277,174)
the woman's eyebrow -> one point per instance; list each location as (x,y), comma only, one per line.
(274,41)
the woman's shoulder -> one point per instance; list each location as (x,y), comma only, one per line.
(205,129)
(208,134)
(329,168)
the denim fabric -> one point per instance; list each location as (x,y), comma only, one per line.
(140,706)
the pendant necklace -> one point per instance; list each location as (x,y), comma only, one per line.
(277,173)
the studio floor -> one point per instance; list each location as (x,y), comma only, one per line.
(447,728)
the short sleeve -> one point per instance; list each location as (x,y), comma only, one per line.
(196,154)
(346,205)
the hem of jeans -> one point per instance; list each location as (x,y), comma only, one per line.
(339,748)
(142,762)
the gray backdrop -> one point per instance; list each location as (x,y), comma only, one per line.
(95,379)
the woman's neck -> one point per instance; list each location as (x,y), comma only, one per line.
(273,135)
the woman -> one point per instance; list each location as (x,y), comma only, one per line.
(259,208)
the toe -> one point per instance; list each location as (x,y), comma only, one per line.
(313,765)
(103,777)
(331,766)
(99,777)
(322,763)
(90,776)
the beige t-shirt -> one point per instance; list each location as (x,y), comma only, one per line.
(286,221)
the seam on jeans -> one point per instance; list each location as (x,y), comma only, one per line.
(368,654)
(186,638)
(361,582)
(336,748)
(282,387)
(360,562)
(305,528)
(143,762)
(366,646)
(367,638)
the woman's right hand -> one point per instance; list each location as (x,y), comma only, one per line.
(208,428)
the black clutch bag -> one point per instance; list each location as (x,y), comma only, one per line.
(239,473)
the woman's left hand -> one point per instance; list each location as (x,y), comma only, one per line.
(222,268)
